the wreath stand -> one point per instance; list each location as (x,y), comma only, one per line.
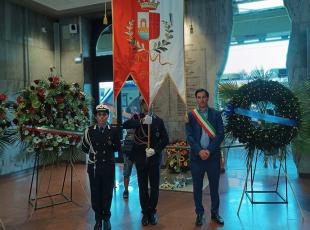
(249,190)
(33,201)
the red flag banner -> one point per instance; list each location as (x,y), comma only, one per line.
(148,45)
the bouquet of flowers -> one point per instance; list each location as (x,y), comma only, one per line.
(178,157)
(51,115)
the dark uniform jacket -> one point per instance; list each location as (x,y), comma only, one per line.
(100,146)
(159,137)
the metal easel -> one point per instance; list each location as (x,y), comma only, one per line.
(250,193)
(34,198)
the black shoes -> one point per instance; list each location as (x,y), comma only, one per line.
(149,219)
(125,194)
(106,225)
(145,220)
(217,219)
(98,225)
(199,219)
(153,219)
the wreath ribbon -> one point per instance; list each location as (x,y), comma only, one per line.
(260,116)
(64,132)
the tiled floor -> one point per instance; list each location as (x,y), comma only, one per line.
(175,209)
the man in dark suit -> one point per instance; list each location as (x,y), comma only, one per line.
(100,141)
(147,159)
(205,134)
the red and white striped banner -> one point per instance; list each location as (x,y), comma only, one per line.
(148,45)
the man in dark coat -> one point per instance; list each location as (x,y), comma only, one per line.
(100,141)
(205,134)
(148,159)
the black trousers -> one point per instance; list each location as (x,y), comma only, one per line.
(101,188)
(148,172)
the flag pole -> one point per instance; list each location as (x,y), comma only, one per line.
(149,130)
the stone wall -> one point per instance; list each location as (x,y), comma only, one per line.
(71,47)
(26,52)
(206,52)
(29,45)
(298,57)
(298,61)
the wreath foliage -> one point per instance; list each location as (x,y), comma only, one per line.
(261,94)
(55,105)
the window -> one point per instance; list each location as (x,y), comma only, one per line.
(267,55)
(104,42)
(250,6)
(130,99)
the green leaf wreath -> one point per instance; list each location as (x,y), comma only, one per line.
(51,116)
(261,96)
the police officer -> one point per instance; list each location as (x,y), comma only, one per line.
(100,141)
(147,159)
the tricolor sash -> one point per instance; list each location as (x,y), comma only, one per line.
(204,123)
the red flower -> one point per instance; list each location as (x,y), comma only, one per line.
(19,100)
(41,91)
(85,110)
(32,110)
(59,99)
(56,80)
(82,95)
(3,97)
(36,81)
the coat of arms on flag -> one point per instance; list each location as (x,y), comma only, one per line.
(148,45)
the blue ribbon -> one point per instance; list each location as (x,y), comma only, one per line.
(260,116)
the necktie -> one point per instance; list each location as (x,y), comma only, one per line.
(101,129)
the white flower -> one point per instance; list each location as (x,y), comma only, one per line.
(29,149)
(26,132)
(59,139)
(36,140)
(49,136)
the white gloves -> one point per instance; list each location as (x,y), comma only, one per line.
(149,152)
(147,120)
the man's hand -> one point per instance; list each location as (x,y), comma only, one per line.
(147,120)
(204,154)
(149,152)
